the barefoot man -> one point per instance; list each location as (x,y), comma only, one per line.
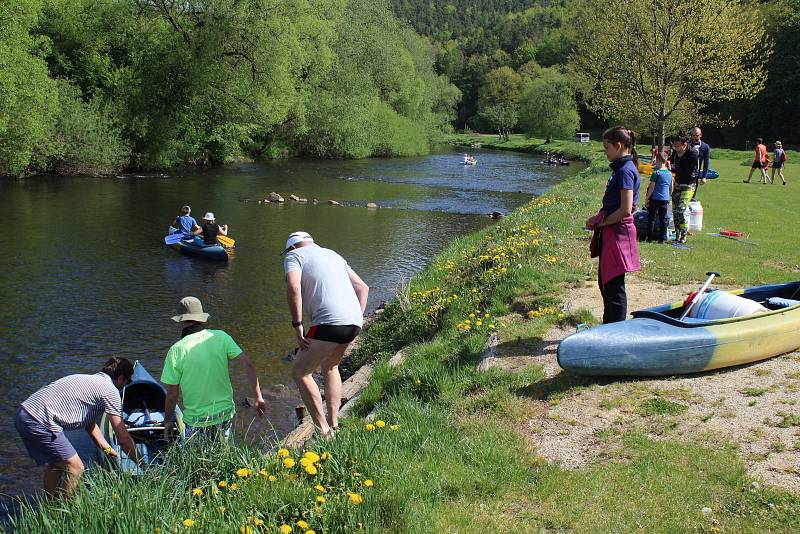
(321,283)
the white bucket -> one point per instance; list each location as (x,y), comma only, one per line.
(721,305)
(695,216)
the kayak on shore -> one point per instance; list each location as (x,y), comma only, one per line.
(657,343)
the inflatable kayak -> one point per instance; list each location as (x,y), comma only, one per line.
(656,343)
(195,247)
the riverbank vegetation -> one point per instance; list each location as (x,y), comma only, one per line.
(445,451)
(95,86)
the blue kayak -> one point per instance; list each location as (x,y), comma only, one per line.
(193,246)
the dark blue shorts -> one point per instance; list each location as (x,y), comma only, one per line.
(43,446)
(341,334)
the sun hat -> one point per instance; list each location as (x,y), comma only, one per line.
(190,309)
(295,238)
(208,216)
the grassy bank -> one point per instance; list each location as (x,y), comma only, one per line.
(444,454)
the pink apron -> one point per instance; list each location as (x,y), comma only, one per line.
(616,246)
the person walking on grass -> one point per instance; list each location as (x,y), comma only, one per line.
(658,194)
(684,165)
(321,283)
(778,163)
(196,368)
(759,162)
(614,238)
(71,403)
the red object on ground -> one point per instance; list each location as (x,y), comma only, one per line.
(732,233)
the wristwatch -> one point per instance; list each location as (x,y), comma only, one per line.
(296,324)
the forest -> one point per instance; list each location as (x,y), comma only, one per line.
(97,86)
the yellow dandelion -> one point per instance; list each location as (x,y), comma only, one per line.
(244,472)
(370,427)
(283,453)
(417,381)
(258,522)
(355,498)
(312,456)
(222,509)
(320,488)
(288,463)
(471,316)
(325,456)
(321,499)
(263,472)
(197,492)
(368,483)
(302,524)
(492,327)
(380,423)
(272,478)
(356,474)
(486,315)
(247,529)
(234,486)
(222,483)
(188,523)
(285,529)
(478,323)
(395,427)
(310,532)
(311,470)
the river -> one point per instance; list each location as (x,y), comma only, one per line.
(85,273)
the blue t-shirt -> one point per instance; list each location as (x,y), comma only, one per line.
(624,175)
(663,179)
(185,223)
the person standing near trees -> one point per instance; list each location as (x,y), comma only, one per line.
(759,161)
(658,195)
(777,164)
(614,238)
(684,164)
(704,156)
(320,282)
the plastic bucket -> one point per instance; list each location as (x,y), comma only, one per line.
(722,305)
(695,215)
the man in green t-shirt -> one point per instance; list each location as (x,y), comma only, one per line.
(196,367)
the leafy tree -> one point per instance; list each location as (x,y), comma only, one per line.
(501,118)
(28,96)
(548,107)
(655,63)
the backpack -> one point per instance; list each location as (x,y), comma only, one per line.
(783,156)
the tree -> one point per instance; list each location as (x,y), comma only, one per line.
(500,117)
(548,107)
(653,63)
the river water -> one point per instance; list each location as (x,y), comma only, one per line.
(85,273)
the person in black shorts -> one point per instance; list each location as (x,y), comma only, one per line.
(321,283)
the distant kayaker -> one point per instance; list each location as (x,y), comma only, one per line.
(320,282)
(185,223)
(72,403)
(211,229)
(196,368)
(614,238)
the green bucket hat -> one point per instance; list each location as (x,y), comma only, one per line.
(190,309)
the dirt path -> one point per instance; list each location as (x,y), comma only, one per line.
(580,420)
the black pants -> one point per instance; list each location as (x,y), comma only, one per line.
(657,211)
(615,301)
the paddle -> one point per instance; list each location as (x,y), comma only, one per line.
(171,239)
(225,241)
(699,294)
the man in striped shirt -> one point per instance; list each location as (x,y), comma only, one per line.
(70,403)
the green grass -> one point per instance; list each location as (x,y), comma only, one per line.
(457,462)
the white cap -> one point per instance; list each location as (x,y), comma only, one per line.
(295,238)
(208,216)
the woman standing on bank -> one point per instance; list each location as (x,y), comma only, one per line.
(614,238)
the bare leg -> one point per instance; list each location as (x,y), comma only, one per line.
(306,362)
(63,477)
(333,384)
(750,175)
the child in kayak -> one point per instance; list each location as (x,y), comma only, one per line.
(614,238)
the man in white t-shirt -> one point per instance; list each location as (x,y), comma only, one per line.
(321,283)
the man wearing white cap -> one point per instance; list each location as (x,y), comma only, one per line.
(196,367)
(321,283)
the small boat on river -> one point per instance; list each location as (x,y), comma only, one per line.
(143,403)
(195,247)
(657,343)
